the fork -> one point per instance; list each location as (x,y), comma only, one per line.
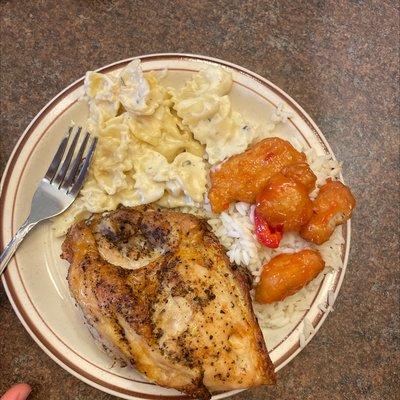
(58,188)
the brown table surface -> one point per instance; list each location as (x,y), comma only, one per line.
(338,59)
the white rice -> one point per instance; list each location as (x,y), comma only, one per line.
(281,114)
(331,298)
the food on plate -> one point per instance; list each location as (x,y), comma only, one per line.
(158,292)
(243,176)
(301,173)
(166,291)
(274,175)
(205,108)
(332,207)
(285,274)
(284,203)
(101,91)
(144,153)
(163,132)
(131,91)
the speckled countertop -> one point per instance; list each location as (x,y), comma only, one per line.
(338,59)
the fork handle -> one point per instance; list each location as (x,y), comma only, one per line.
(11,247)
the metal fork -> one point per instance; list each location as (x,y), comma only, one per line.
(59,187)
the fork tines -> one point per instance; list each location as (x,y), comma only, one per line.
(68,173)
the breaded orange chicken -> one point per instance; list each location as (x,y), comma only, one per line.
(285,274)
(243,176)
(332,207)
(301,173)
(284,202)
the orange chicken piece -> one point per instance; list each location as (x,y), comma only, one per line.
(285,274)
(301,173)
(284,202)
(243,176)
(332,207)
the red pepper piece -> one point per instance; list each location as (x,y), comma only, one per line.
(266,235)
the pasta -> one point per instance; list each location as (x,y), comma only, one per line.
(102,97)
(205,108)
(156,144)
(144,152)
(164,132)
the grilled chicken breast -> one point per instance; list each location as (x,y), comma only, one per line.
(158,291)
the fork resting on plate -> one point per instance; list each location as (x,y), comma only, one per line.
(58,188)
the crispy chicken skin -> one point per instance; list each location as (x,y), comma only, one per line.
(185,318)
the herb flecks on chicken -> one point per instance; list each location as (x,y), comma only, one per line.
(183,316)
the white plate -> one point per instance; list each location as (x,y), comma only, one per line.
(35,280)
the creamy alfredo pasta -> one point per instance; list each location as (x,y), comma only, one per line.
(156,144)
(205,107)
